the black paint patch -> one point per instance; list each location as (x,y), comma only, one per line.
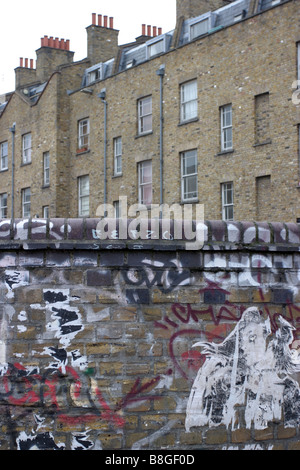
(53,297)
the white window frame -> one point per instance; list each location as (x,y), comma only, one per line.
(117,208)
(143,185)
(83,134)
(46,212)
(145,115)
(83,196)
(188,104)
(193,26)
(46,168)
(227,206)
(186,177)
(226,128)
(4,155)
(26,202)
(3,205)
(153,50)
(118,156)
(26,148)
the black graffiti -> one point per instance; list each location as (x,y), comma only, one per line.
(166,279)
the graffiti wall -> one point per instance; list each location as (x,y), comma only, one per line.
(130,344)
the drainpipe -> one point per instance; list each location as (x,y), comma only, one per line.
(13,131)
(161,72)
(102,96)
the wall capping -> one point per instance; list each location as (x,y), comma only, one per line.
(83,233)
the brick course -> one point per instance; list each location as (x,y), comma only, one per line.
(102,349)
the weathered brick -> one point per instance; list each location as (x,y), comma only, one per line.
(99,277)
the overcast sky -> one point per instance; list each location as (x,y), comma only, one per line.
(24,23)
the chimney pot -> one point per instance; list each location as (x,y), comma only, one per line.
(21,61)
(93,18)
(159,31)
(31,63)
(99,20)
(46,41)
(111,23)
(105,21)
(56,43)
(149,30)
(143,30)
(50,43)
(154,31)
(67,47)
(26,63)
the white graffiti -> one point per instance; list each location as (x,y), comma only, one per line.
(247,378)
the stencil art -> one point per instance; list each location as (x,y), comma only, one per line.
(248,378)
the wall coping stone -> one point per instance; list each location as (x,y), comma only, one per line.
(82,234)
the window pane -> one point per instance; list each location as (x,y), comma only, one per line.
(84,130)
(84,195)
(3,206)
(190,187)
(189,101)
(189,163)
(26,197)
(4,155)
(27,148)
(145,183)
(199,28)
(145,114)
(156,48)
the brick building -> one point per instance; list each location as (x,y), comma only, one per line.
(208,113)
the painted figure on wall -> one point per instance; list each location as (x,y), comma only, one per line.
(247,379)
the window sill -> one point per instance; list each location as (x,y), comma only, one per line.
(4,170)
(25,164)
(190,201)
(118,175)
(224,152)
(46,186)
(269,141)
(82,151)
(143,134)
(188,121)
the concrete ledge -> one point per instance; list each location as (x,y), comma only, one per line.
(160,235)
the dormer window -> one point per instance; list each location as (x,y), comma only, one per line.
(155,48)
(201,25)
(93,76)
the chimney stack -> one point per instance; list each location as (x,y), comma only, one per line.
(102,39)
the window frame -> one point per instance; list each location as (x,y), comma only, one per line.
(225,204)
(154,42)
(26,149)
(187,176)
(45,209)
(82,196)
(142,185)
(46,169)
(3,206)
(206,19)
(184,103)
(3,156)
(26,203)
(82,144)
(118,152)
(225,128)
(144,115)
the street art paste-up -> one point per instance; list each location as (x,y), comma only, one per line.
(247,379)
